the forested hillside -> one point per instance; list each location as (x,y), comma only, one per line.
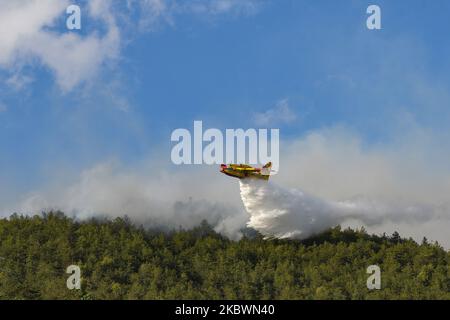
(121,261)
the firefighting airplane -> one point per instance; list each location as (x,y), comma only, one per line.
(243,171)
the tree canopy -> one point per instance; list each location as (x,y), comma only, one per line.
(119,260)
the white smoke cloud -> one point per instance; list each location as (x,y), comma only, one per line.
(335,163)
(327,177)
(291,213)
(282,213)
(402,184)
(149,196)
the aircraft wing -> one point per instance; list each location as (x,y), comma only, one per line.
(243,167)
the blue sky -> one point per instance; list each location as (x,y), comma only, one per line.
(160,67)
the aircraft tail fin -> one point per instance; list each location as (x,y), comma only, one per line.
(268,165)
(266,169)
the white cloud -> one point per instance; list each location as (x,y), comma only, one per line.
(224,6)
(21,20)
(280,114)
(154,13)
(3,107)
(18,80)
(28,35)
(72,58)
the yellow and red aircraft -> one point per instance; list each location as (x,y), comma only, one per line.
(243,171)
